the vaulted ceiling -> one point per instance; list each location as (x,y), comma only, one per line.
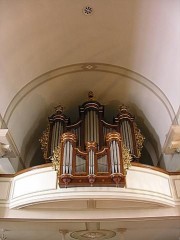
(52,53)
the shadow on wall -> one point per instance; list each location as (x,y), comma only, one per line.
(151,153)
(1,121)
(146,158)
(31,151)
(37,158)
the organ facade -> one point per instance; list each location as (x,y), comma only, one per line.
(92,151)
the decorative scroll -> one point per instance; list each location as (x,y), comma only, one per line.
(139,140)
(126,159)
(44,140)
(56,159)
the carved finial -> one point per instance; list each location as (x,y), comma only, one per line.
(91,95)
(123,108)
(59,109)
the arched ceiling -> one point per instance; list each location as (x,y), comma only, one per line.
(126,52)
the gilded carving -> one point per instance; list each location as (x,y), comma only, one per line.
(56,158)
(59,109)
(68,136)
(44,142)
(139,140)
(91,145)
(113,136)
(126,158)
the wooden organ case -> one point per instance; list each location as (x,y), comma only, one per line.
(91,151)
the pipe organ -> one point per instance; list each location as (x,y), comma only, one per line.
(91,151)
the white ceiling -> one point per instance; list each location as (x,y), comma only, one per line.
(133,47)
(137,230)
(45,47)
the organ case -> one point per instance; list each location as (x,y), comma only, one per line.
(91,151)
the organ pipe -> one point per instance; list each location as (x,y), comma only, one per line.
(131,135)
(114,140)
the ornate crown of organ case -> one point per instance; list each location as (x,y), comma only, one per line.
(91,151)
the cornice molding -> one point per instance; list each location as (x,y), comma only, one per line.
(50,165)
(85,67)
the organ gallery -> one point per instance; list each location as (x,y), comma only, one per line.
(91,151)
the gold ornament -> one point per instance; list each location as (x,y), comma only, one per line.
(44,142)
(139,140)
(126,158)
(56,159)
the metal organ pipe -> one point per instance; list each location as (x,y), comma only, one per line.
(56,135)
(70,157)
(87,119)
(52,140)
(131,139)
(112,157)
(64,159)
(127,136)
(91,162)
(91,127)
(118,157)
(95,128)
(67,158)
(115,157)
(85,129)
(123,133)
